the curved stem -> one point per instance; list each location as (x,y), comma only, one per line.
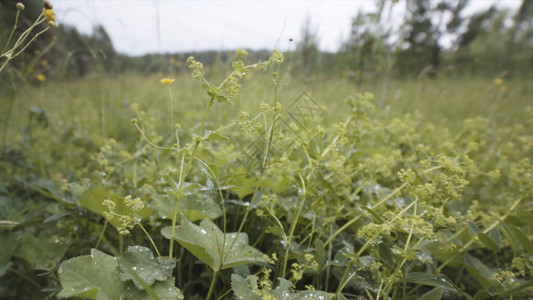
(150,238)
(212,286)
(101,234)
(183,175)
(12,31)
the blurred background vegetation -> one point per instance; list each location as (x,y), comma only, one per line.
(435,38)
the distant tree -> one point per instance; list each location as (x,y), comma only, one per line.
(426,23)
(307,48)
(367,50)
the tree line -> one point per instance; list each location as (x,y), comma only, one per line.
(399,38)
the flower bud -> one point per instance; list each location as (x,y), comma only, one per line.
(47,5)
(20,6)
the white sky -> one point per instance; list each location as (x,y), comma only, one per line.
(217,25)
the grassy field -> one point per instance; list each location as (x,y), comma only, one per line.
(417,189)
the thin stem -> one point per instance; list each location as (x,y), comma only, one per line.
(476,238)
(148,141)
(183,174)
(352,221)
(345,279)
(293,227)
(6,123)
(24,276)
(212,286)
(175,210)
(172,125)
(12,31)
(150,238)
(101,234)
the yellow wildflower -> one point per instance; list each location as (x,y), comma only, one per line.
(40,77)
(503,88)
(44,62)
(49,14)
(167,80)
(498,81)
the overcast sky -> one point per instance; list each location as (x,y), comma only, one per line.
(150,26)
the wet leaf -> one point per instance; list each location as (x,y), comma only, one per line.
(93,276)
(207,243)
(141,260)
(434,294)
(428,279)
(164,290)
(195,206)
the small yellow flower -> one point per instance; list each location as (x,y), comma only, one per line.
(40,77)
(44,62)
(503,88)
(167,80)
(498,81)
(49,14)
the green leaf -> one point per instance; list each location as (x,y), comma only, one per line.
(211,246)
(241,288)
(428,279)
(487,241)
(482,295)
(44,251)
(306,295)
(195,207)
(141,260)
(478,270)
(320,254)
(213,136)
(374,214)
(509,236)
(94,277)
(385,254)
(163,290)
(434,294)
(283,292)
(522,238)
(92,200)
(8,244)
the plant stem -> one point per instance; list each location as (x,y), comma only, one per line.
(150,238)
(293,227)
(24,276)
(6,123)
(349,223)
(212,286)
(476,238)
(101,234)
(183,175)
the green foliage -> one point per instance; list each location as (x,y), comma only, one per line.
(429,198)
(93,276)
(216,249)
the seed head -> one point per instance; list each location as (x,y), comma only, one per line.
(20,6)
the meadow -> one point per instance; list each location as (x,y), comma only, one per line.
(139,187)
